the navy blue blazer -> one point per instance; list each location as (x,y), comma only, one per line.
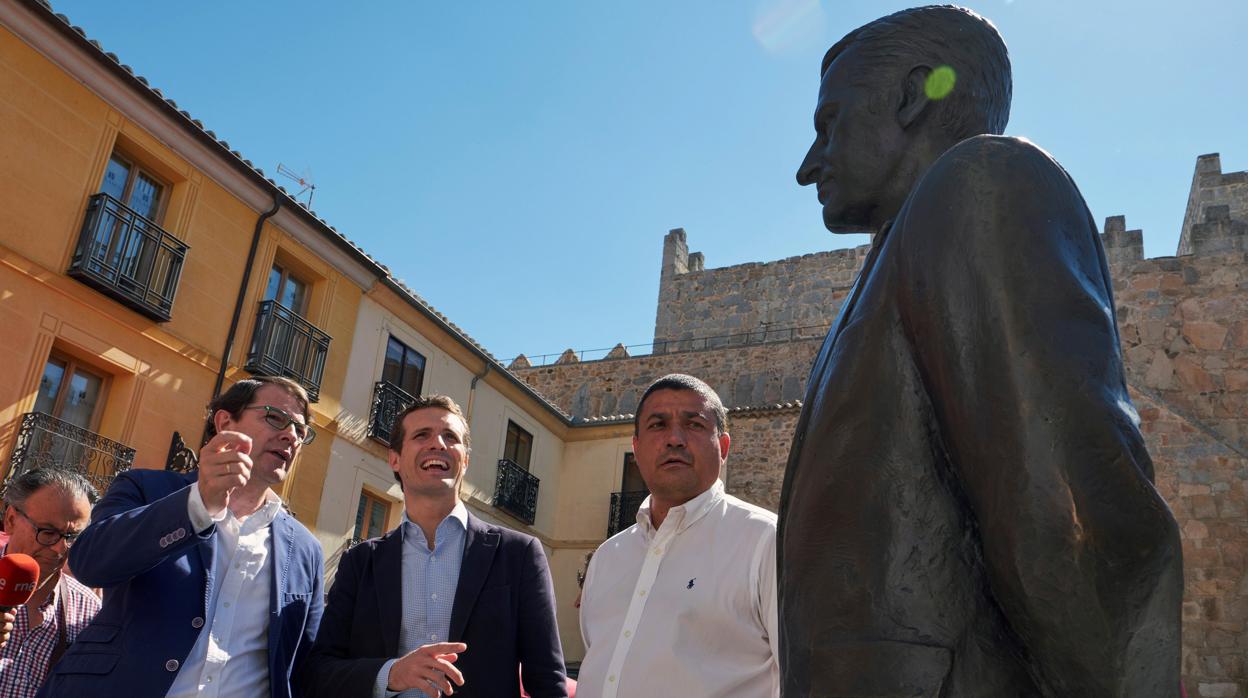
(157,576)
(504,611)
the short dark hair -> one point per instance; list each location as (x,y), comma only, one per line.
(29,482)
(681,381)
(425,402)
(938,35)
(241,393)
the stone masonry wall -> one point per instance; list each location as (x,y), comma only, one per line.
(758,374)
(1212,188)
(760,449)
(1203,480)
(794,292)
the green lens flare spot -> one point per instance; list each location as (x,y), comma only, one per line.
(940,82)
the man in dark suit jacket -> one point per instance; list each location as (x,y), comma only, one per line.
(968,508)
(445,601)
(227,607)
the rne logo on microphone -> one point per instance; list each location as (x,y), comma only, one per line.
(28,586)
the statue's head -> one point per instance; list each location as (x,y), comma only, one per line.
(894,95)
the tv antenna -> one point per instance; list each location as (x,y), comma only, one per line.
(303,181)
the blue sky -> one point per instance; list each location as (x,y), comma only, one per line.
(518,163)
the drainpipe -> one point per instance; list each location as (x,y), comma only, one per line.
(242,294)
(472,388)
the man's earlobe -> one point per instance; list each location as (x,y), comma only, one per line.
(220,420)
(914,99)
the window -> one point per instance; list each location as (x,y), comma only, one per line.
(288,290)
(519,445)
(404,367)
(70,392)
(137,189)
(632,481)
(371,517)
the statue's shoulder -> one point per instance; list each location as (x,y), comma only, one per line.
(993,159)
(987,191)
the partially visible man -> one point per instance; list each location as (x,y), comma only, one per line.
(211,587)
(445,602)
(683,603)
(47,509)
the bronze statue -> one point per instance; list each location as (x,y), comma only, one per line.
(968,508)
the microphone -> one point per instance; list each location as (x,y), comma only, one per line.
(19,574)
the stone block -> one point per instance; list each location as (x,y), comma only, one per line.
(1206,336)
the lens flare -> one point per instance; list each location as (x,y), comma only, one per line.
(940,82)
(784,25)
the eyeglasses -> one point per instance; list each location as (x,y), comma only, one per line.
(49,537)
(280,419)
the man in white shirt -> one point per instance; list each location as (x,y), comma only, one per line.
(211,588)
(683,603)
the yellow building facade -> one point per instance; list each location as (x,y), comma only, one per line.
(144,267)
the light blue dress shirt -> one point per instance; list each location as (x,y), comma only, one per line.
(430,578)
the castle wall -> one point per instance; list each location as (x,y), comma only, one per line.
(757,374)
(1211,188)
(790,293)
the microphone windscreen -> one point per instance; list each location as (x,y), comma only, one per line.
(19,574)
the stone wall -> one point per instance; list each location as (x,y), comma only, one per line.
(751,375)
(790,293)
(1203,480)
(1183,323)
(760,448)
(1211,188)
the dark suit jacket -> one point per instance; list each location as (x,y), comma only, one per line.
(504,610)
(156,574)
(968,507)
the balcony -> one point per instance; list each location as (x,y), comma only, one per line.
(388,401)
(45,441)
(128,257)
(624,506)
(285,344)
(515,491)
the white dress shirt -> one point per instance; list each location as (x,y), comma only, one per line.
(687,610)
(231,656)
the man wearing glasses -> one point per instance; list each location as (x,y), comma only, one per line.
(47,508)
(211,588)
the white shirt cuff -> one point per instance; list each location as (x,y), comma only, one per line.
(383,680)
(201,520)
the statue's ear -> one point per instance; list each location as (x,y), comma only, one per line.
(914,100)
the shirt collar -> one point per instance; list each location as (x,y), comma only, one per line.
(263,516)
(458,514)
(685,515)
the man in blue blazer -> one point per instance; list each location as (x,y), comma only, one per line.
(210,587)
(445,602)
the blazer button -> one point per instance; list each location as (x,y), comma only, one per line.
(171,665)
(197,623)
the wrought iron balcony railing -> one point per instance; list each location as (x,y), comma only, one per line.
(388,401)
(128,257)
(44,441)
(285,344)
(624,506)
(515,491)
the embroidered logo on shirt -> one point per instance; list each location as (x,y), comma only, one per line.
(690,585)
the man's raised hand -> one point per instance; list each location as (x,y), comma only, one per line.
(224,466)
